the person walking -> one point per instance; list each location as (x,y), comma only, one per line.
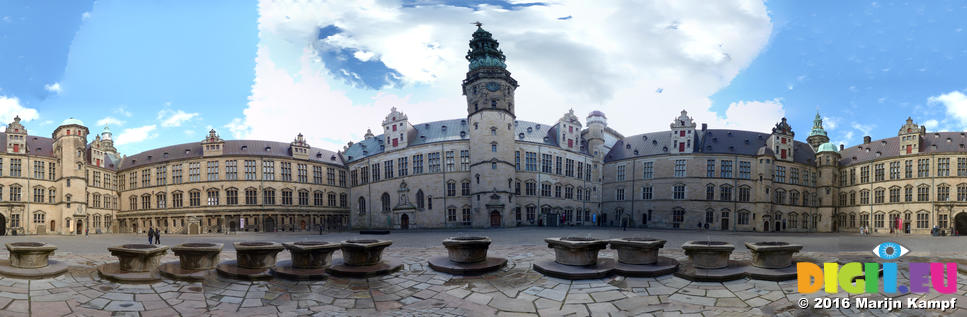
(151,235)
(157,236)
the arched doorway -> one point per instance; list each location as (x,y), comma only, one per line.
(52,227)
(269,224)
(404,221)
(302,225)
(134,227)
(765,225)
(233,226)
(3,225)
(960,223)
(494,218)
(80,227)
(602,219)
(725,220)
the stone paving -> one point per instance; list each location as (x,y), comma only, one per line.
(516,290)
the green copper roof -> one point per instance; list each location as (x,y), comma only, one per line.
(827,147)
(72,121)
(817,126)
(483,51)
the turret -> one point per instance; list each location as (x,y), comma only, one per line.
(107,141)
(817,136)
(70,143)
(597,122)
(683,134)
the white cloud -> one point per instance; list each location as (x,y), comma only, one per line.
(123,110)
(955,103)
(135,135)
(109,121)
(86,15)
(603,58)
(830,123)
(10,107)
(752,115)
(864,129)
(931,124)
(54,88)
(171,118)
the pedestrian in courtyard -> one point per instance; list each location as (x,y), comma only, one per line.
(151,235)
(157,236)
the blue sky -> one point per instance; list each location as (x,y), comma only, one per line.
(164,73)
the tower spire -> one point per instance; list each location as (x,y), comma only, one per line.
(484,50)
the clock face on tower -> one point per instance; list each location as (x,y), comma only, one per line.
(492,86)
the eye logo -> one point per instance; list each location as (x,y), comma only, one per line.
(889,250)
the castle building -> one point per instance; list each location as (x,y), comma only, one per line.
(489,169)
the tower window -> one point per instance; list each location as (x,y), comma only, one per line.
(493,104)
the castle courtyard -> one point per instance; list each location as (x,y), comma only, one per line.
(416,290)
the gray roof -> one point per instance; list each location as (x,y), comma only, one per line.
(456,129)
(36,145)
(936,142)
(230,148)
(712,141)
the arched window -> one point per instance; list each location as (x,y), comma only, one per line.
(419,199)
(384,199)
(362,206)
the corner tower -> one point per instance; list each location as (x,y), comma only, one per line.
(490,115)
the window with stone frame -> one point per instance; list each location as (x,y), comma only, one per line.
(943,192)
(620,172)
(177,200)
(726,169)
(619,194)
(745,170)
(923,193)
(878,172)
(895,170)
(710,168)
(908,193)
(923,168)
(678,192)
(268,196)
(745,193)
(231,196)
(647,170)
(943,166)
(176,174)
(451,214)
(646,193)
(864,197)
(923,220)
(908,169)
(878,195)
(194,198)
(864,174)
(303,198)
(451,188)
(287,197)
(709,192)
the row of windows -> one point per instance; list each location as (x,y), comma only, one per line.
(213,198)
(879,220)
(213,173)
(678,193)
(16,169)
(896,172)
(553,164)
(808,178)
(922,194)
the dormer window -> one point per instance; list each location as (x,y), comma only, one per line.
(443,128)
(165,155)
(521,136)
(187,152)
(268,148)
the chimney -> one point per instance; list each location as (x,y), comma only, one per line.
(704,126)
(866,139)
(841,147)
(923,129)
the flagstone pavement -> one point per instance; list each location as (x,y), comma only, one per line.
(516,290)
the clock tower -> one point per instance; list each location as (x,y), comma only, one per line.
(490,115)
